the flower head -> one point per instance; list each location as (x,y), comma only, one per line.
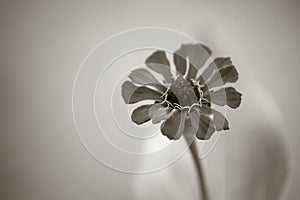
(183,100)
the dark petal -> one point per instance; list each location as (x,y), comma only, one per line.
(140,115)
(225,75)
(218,63)
(134,94)
(222,62)
(158,113)
(174,126)
(225,96)
(159,63)
(203,124)
(142,76)
(192,72)
(180,59)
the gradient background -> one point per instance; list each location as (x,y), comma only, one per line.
(42,46)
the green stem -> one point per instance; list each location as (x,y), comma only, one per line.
(199,169)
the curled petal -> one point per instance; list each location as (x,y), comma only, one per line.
(159,63)
(140,115)
(133,94)
(174,126)
(225,96)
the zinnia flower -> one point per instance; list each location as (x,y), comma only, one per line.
(183,100)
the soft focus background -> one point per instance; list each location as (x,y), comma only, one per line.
(42,46)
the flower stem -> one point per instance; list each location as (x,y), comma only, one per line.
(201,178)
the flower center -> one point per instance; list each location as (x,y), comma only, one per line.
(183,93)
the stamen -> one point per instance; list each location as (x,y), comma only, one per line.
(178,105)
(194,104)
(179,108)
(166,92)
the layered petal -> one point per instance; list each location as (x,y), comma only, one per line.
(133,94)
(159,63)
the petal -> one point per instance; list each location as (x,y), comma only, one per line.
(203,124)
(159,113)
(159,63)
(198,55)
(225,75)
(221,62)
(142,76)
(140,115)
(225,96)
(127,90)
(133,94)
(206,128)
(218,63)
(219,119)
(180,59)
(174,126)
(158,87)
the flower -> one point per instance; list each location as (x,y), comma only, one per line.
(183,100)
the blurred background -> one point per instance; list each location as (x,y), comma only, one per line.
(42,46)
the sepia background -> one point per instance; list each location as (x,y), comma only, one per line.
(43,43)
